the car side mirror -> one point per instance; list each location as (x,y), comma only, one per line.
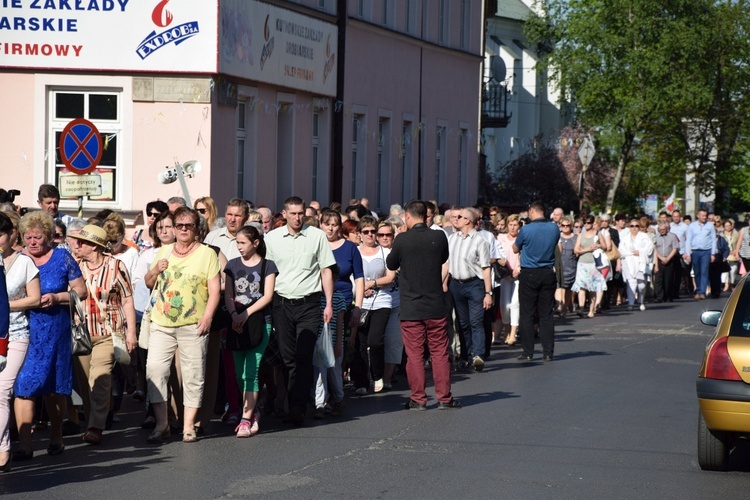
(710,318)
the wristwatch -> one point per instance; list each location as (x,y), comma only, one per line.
(488,293)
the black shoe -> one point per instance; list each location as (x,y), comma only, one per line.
(547,357)
(110,420)
(70,428)
(413,405)
(149,423)
(295,417)
(22,456)
(525,357)
(55,449)
(7,465)
(449,405)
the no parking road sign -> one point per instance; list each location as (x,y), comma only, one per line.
(80,146)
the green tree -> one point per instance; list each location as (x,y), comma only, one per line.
(624,64)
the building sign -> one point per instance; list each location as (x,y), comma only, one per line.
(116,35)
(265,43)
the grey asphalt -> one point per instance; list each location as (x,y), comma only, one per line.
(614,415)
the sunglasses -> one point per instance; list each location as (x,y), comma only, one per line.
(459,216)
(182,226)
(383,235)
(567,225)
(577,227)
(59,236)
(201,210)
(368,231)
(634,225)
(154,214)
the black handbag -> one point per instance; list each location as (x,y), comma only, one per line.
(500,271)
(254,328)
(80,340)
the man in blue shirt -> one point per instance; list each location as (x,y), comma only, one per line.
(700,247)
(536,243)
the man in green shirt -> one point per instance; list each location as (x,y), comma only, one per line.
(303,257)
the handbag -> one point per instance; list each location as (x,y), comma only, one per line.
(254,328)
(323,356)
(80,340)
(122,355)
(501,272)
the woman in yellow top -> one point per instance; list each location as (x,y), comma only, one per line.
(188,288)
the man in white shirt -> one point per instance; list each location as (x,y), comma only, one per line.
(224,238)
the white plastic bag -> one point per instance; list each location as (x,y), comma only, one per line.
(323,356)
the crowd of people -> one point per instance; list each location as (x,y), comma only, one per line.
(204,311)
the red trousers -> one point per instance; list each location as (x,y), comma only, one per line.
(433,332)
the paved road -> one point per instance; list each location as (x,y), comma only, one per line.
(613,416)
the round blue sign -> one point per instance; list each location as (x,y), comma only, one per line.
(81,146)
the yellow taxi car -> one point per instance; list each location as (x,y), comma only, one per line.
(724,381)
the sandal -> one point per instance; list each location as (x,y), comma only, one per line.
(189,437)
(159,436)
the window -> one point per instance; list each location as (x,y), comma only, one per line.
(387,13)
(358,154)
(406,156)
(241,139)
(384,163)
(362,8)
(463,158)
(440,164)
(315,153)
(465,24)
(425,19)
(103,109)
(443,22)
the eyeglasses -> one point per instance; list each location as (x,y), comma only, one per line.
(383,235)
(59,236)
(185,226)
(567,225)
(154,214)
(368,231)
(635,225)
(577,227)
(459,216)
(201,210)
(587,223)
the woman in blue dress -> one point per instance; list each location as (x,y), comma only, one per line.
(48,368)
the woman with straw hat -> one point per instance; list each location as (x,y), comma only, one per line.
(109,311)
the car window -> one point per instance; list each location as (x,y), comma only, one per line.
(741,320)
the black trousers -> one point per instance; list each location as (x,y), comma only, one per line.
(536,293)
(371,335)
(297,325)
(664,280)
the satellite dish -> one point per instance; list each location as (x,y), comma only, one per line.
(189,168)
(498,69)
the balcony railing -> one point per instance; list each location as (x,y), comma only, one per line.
(495,104)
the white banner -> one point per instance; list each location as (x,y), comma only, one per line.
(116,35)
(268,44)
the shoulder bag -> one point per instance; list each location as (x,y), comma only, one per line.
(80,338)
(254,328)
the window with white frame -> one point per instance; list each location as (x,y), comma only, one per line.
(384,163)
(103,108)
(440,164)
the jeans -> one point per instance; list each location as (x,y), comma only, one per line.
(701,259)
(468,298)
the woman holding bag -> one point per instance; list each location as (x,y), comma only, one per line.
(248,292)
(109,312)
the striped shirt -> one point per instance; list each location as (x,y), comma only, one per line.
(469,254)
(106,286)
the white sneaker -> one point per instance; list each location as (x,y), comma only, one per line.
(379,385)
(643,308)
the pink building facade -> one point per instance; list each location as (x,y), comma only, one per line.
(266,96)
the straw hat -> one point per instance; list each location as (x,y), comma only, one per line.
(92,234)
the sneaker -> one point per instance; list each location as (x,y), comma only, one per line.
(337,409)
(449,405)
(243,430)
(255,423)
(478,363)
(319,414)
(643,308)
(379,385)
(361,391)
